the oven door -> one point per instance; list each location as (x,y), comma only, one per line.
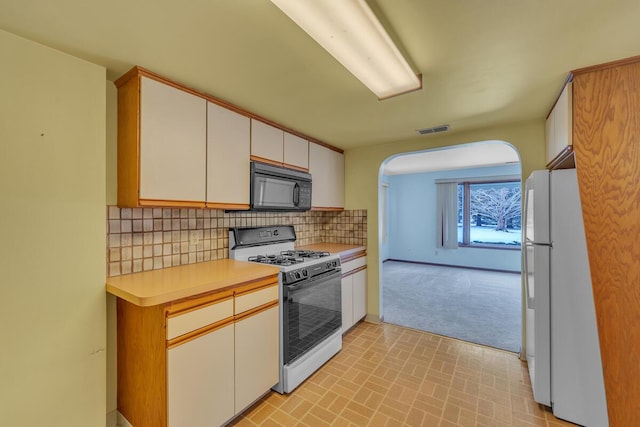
(312,311)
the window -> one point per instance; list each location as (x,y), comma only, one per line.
(489,214)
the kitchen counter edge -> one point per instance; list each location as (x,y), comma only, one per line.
(165,285)
(343,250)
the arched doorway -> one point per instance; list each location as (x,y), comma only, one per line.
(450,242)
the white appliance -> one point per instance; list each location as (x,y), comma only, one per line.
(310,298)
(563,351)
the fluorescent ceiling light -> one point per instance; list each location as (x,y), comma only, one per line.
(350,32)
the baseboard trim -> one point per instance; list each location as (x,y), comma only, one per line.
(454,266)
(373,318)
(122,421)
(112,418)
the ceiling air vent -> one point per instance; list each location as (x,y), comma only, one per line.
(427,131)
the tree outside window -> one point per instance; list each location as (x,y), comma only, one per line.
(489,214)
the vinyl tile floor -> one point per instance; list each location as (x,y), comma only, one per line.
(388,375)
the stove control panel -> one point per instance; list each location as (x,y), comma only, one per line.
(295,275)
(310,271)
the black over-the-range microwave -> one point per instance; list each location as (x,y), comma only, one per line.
(275,188)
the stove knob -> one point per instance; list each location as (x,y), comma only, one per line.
(305,273)
(297,274)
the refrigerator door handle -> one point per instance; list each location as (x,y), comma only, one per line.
(530,298)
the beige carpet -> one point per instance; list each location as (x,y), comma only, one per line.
(472,305)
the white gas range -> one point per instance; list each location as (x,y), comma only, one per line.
(310,298)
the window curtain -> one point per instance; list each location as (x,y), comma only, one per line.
(447,215)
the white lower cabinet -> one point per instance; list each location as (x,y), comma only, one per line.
(359,295)
(347,303)
(256,356)
(354,293)
(200,374)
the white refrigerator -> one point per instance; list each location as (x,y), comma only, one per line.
(562,347)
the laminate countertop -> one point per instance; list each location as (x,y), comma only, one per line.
(345,251)
(169,284)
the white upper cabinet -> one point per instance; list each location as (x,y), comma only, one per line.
(173,138)
(267,142)
(228,150)
(559,125)
(326,167)
(296,151)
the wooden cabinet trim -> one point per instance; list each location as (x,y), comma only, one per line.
(263,160)
(353,256)
(228,206)
(564,160)
(298,168)
(618,63)
(256,285)
(141,355)
(189,336)
(256,310)
(247,301)
(176,308)
(354,271)
(128,150)
(140,71)
(171,203)
(326,209)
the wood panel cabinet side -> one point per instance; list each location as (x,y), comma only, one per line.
(128,142)
(142,385)
(607,154)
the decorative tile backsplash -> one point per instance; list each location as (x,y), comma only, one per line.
(140,239)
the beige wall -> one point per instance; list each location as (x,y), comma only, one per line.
(362,166)
(52,181)
(112,199)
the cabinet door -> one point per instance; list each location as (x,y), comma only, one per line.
(327,171)
(173,139)
(257,348)
(296,151)
(228,148)
(267,142)
(550,135)
(563,126)
(347,303)
(200,380)
(559,124)
(359,295)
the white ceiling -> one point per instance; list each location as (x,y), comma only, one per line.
(484,63)
(480,154)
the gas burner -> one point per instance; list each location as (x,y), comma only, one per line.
(282,259)
(305,254)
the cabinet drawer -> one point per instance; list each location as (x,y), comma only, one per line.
(199,318)
(253,299)
(353,264)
